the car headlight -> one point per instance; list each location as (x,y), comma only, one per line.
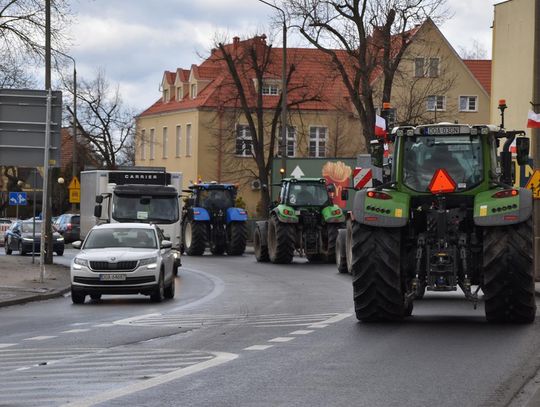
(27,239)
(59,239)
(78,263)
(150,262)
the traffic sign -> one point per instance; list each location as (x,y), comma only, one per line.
(534,184)
(74,184)
(17,198)
(75,195)
(297,172)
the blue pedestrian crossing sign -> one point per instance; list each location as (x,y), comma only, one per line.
(17,198)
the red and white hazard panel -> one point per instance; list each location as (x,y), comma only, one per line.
(362,178)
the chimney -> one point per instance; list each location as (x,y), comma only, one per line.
(236,41)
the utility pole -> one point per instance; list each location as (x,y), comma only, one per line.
(535,133)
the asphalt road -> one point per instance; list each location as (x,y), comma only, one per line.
(240,333)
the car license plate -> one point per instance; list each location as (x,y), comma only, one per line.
(112,277)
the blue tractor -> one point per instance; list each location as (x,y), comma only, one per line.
(210,219)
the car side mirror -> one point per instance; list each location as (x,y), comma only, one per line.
(76,244)
(99,199)
(522,150)
(97,211)
(331,188)
(344,194)
(376,150)
(166,244)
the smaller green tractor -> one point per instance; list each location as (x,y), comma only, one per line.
(304,219)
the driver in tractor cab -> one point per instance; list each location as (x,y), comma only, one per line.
(441,157)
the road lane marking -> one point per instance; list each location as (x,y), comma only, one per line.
(258,347)
(301,332)
(75,331)
(220,358)
(281,339)
(103,325)
(318,326)
(7,345)
(39,338)
(336,318)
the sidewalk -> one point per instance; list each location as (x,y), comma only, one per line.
(19,280)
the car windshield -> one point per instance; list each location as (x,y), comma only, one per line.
(156,209)
(215,198)
(307,194)
(460,156)
(27,227)
(121,237)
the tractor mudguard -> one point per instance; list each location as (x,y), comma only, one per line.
(387,208)
(492,211)
(333,214)
(286,214)
(200,214)
(263,227)
(236,215)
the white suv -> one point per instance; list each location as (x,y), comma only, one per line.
(123,258)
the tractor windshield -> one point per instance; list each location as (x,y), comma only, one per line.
(459,155)
(307,194)
(215,198)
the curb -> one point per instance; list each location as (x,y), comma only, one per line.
(37,297)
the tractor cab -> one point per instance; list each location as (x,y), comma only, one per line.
(214,196)
(305,192)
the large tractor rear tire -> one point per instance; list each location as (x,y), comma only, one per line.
(332,230)
(341,251)
(260,249)
(195,238)
(237,233)
(376,269)
(281,239)
(509,273)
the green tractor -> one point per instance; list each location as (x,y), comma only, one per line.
(304,219)
(448,217)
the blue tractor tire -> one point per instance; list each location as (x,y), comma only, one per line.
(236,238)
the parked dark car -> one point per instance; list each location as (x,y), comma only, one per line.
(19,237)
(69,226)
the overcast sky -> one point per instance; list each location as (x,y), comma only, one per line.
(135,41)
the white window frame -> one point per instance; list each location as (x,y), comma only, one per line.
(152,144)
(469,98)
(165,141)
(188,140)
(440,101)
(243,138)
(270,89)
(193,90)
(318,140)
(143,145)
(178,140)
(291,142)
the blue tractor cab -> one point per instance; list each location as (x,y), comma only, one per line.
(210,219)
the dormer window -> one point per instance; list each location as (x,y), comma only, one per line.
(193,91)
(270,88)
(179,93)
(165,95)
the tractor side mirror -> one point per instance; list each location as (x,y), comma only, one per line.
(376,150)
(97,211)
(344,194)
(331,188)
(190,201)
(99,199)
(522,150)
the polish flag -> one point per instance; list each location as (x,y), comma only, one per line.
(380,126)
(533,121)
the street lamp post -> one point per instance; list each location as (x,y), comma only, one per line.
(283,169)
(74,125)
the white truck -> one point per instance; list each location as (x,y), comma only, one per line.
(138,194)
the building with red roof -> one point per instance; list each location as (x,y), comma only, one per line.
(197,125)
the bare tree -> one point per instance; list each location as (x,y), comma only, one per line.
(106,126)
(476,50)
(22,26)
(13,73)
(250,64)
(365,39)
